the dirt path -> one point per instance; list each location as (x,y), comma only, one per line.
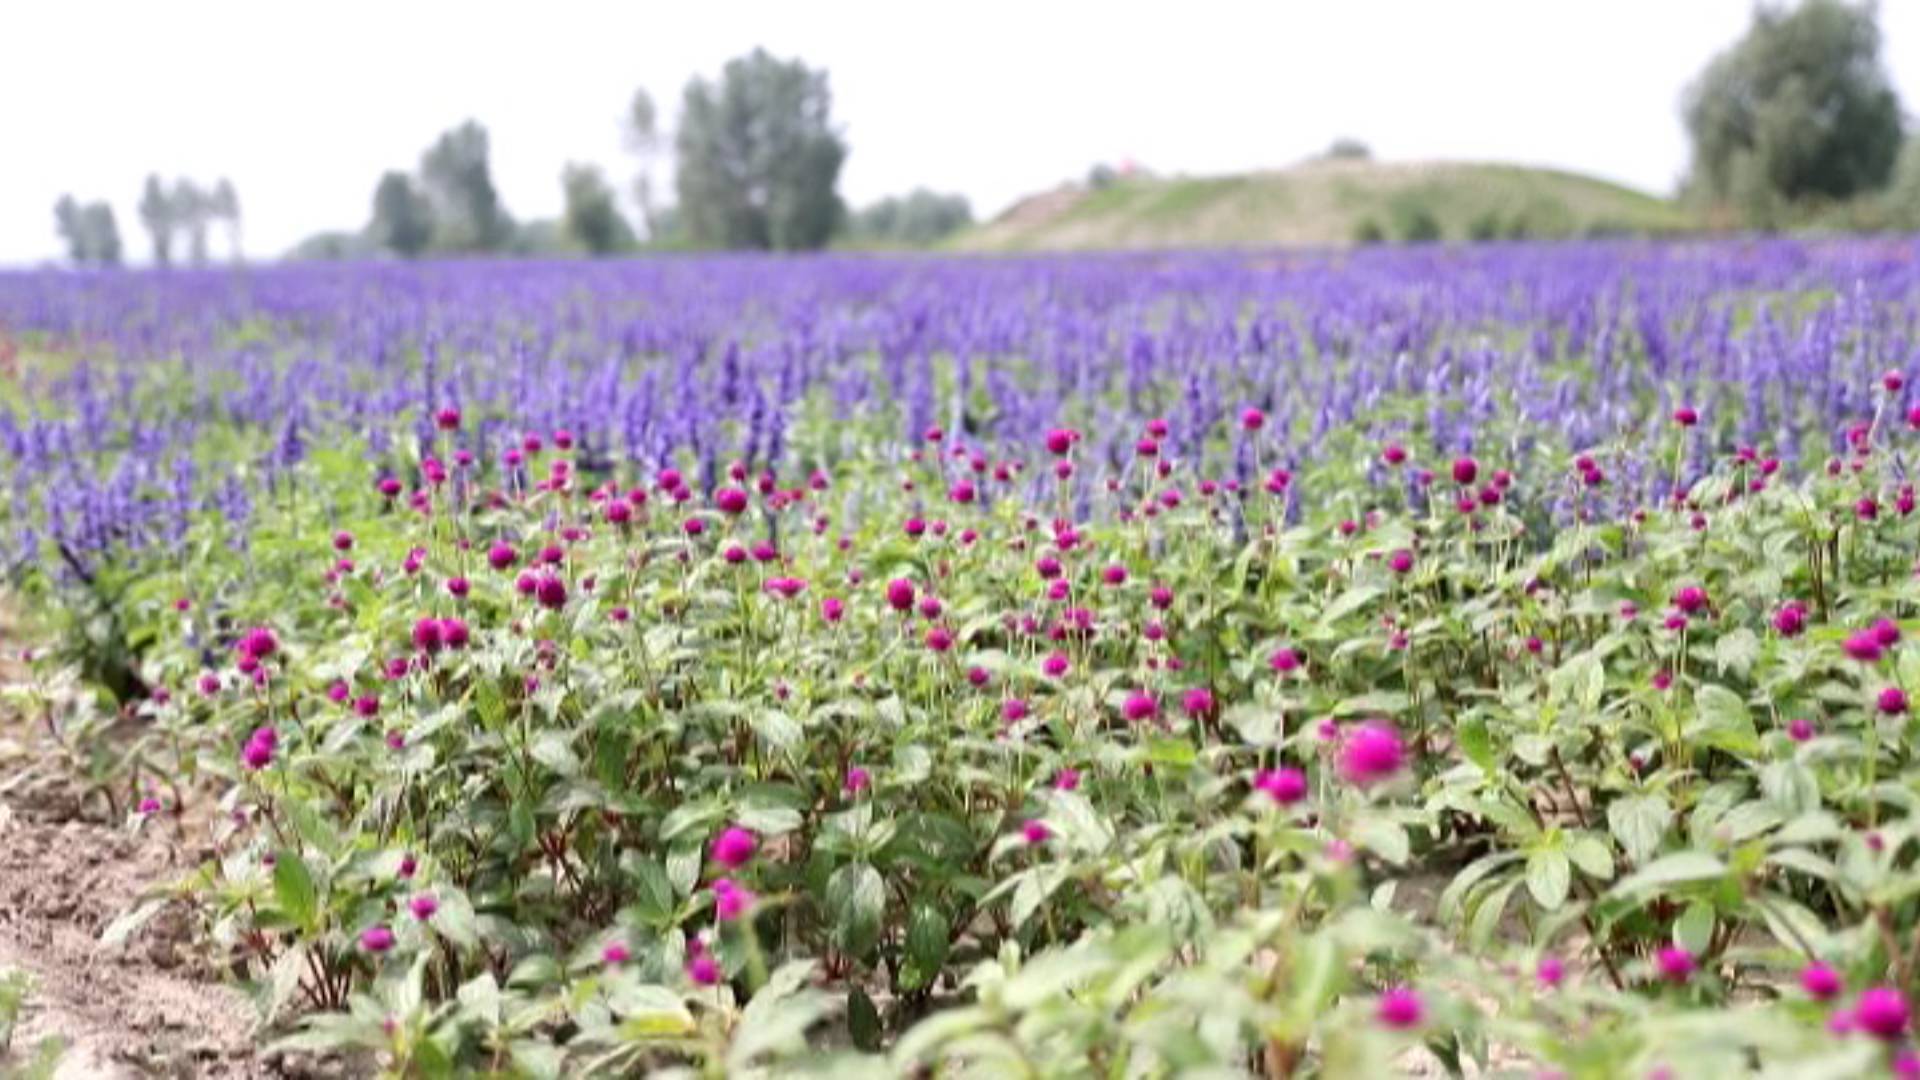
(149,1008)
(136,1011)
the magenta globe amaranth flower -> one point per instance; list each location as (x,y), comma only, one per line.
(1550,972)
(730,900)
(1864,647)
(1686,416)
(423,906)
(1882,1012)
(1690,599)
(1284,660)
(1400,1009)
(857,780)
(1401,561)
(1013,710)
(1892,701)
(1674,964)
(1035,832)
(1055,665)
(1138,706)
(615,954)
(1285,786)
(1198,702)
(1371,753)
(734,847)
(1800,729)
(551,592)
(1886,632)
(1821,982)
(376,939)
(730,500)
(1790,620)
(703,969)
(900,593)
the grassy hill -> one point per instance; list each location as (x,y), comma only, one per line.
(1322,204)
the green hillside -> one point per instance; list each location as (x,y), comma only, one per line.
(1324,203)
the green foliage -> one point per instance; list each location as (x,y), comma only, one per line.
(919,219)
(1800,108)
(592,219)
(89,231)
(1368,231)
(402,217)
(457,182)
(1414,222)
(158,217)
(758,157)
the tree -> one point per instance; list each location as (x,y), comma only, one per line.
(402,217)
(90,232)
(66,220)
(226,208)
(192,209)
(923,217)
(102,232)
(643,138)
(1799,107)
(459,186)
(156,216)
(591,220)
(1346,148)
(759,158)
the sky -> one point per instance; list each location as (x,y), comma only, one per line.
(303,106)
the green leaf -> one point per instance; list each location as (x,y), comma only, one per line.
(293,889)
(863,1021)
(856,900)
(1736,651)
(1384,837)
(1724,721)
(1549,875)
(1640,823)
(648,1011)
(1678,868)
(929,936)
(1476,743)
(1693,930)
(1378,703)
(554,750)
(1591,855)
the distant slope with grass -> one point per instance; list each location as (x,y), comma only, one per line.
(1325,204)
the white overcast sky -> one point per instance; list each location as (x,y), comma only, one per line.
(303,105)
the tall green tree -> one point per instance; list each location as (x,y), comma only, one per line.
(1800,107)
(225,203)
(402,217)
(103,233)
(591,220)
(643,138)
(759,158)
(192,210)
(157,217)
(89,230)
(458,181)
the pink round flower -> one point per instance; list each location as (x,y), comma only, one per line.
(734,847)
(1674,964)
(376,939)
(1465,470)
(730,500)
(1198,702)
(900,594)
(1882,1012)
(1400,1009)
(1013,710)
(1401,561)
(703,969)
(1893,701)
(1886,632)
(1686,416)
(423,906)
(1066,780)
(1864,647)
(1549,972)
(1690,599)
(1284,786)
(858,780)
(1252,419)
(1139,706)
(730,900)
(1800,729)
(1371,753)
(1055,665)
(833,609)
(1284,660)
(1036,832)
(615,954)
(1821,982)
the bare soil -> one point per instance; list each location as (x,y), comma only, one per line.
(148,1008)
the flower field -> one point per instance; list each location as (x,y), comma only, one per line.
(1468,661)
